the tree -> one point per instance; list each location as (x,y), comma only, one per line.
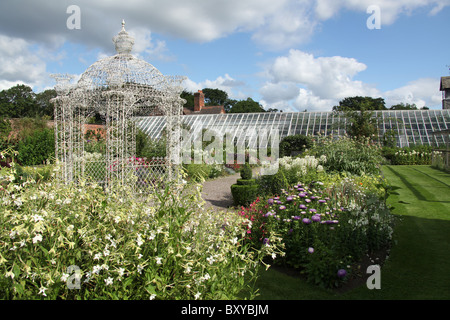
(45,107)
(215,97)
(403,106)
(361,123)
(189,97)
(246,106)
(17,102)
(360,103)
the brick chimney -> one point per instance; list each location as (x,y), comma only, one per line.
(199,100)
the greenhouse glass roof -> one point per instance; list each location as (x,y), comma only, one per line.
(409,126)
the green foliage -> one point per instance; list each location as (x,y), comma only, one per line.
(360,103)
(37,148)
(325,226)
(197,172)
(244,194)
(413,155)
(292,145)
(245,106)
(243,182)
(5,130)
(361,124)
(63,241)
(246,172)
(215,97)
(346,154)
(148,148)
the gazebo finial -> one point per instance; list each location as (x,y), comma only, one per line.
(123,41)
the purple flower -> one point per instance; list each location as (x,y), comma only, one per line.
(312,210)
(289,198)
(301,195)
(322,201)
(315,218)
(341,273)
(266,241)
(311,250)
(313,198)
(302,206)
(296,217)
(270,201)
(307,200)
(306,221)
(290,231)
(300,189)
(282,207)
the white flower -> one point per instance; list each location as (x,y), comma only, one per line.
(121,271)
(97,269)
(42,291)
(64,277)
(9,274)
(207,276)
(97,256)
(37,218)
(109,281)
(210,260)
(197,295)
(152,296)
(37,238)
(158,260)
(139,268)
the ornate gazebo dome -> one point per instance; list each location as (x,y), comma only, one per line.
(122,68)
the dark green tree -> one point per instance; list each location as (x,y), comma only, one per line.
(17,102)
(44,106)
(215,97)
(360,103)
(189,97)
(245,106)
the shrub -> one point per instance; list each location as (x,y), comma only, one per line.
(37,148)
(244,194)
(292,145)
(65,241)
(345,154)
(413,155)
(290,171)
(246,172)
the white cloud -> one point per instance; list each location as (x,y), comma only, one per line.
(19,65)
(390,10)
(421,92)
(314,82)
(226,83)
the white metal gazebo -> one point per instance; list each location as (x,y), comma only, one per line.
(119,88)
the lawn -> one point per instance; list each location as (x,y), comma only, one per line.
(418,265)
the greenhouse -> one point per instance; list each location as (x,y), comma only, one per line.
(410,127)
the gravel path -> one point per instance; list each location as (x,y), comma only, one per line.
(217,192)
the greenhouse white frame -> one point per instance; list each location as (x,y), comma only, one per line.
(410,126)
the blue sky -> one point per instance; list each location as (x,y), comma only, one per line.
(287,54)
